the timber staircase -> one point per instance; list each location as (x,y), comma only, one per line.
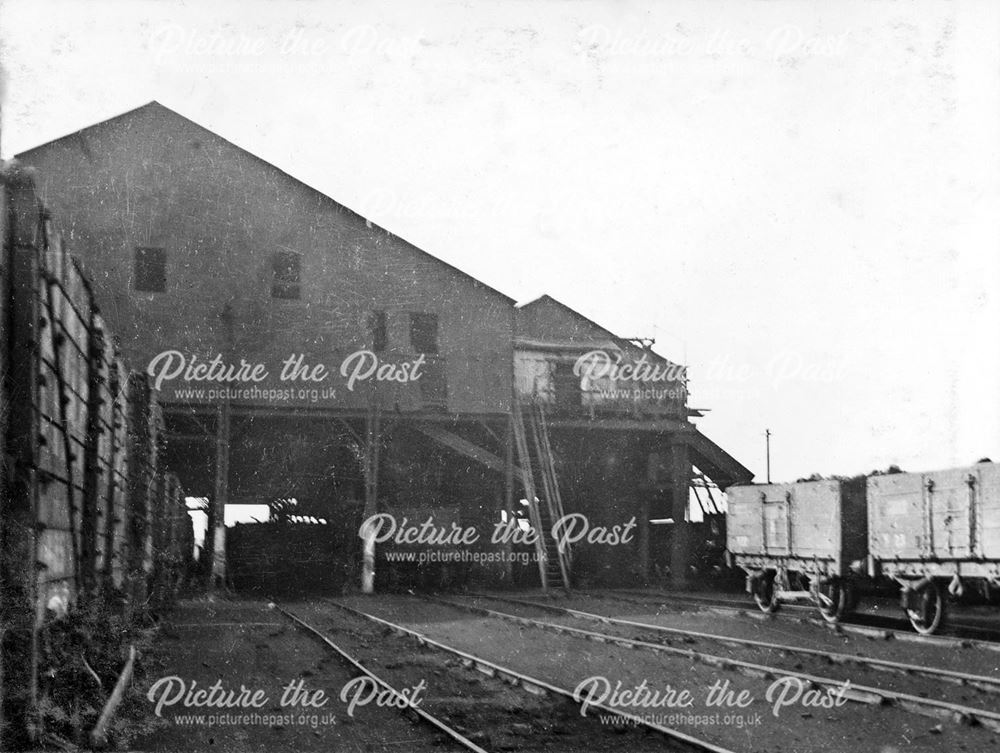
(541,487)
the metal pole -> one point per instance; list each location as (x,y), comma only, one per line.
(767,444)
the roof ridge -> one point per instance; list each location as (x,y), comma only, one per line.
(299,181)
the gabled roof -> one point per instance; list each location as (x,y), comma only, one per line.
(163,109)
(546,300)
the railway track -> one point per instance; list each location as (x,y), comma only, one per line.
(872,626)
(356,665)
(521,680)
(857,693)
(980,682)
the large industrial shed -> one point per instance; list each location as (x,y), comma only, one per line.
(362,374)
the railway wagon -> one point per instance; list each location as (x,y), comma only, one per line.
(798,542)
(935,534)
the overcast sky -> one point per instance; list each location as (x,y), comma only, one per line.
(799,200)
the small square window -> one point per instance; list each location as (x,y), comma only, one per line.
(424,333)
(569,393)
(150,269)
(286,266)
(378,324)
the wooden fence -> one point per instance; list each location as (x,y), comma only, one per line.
(87,514)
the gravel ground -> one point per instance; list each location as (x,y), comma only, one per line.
(247,643)
(244,642)
(566,661)
(785,630)
(917,685)
(485,709)
(973,616)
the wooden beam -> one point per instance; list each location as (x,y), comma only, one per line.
(319,412)
(658,426)
(371,463)
(466,448)
(215,533)
(680,482)
(643,543)
(18,531)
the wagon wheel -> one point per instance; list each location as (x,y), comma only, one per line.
(929,614)
(834,600)
(766,595)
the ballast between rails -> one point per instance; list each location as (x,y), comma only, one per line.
(531,684)
(420,713)
(987,684)
(844,625)
(857,693)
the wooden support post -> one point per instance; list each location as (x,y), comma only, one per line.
(697,496)
(137,504)
(642,515)
(372,441)
(716,509)
(680,483)
(215,533)
(18,505)
(92,501)
(112,511)
(7,484)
